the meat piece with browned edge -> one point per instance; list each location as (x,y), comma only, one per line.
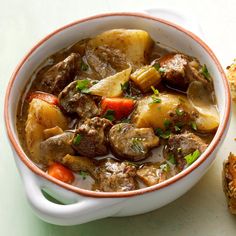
(183,144)
(61,74)
(90,137)
(73,101)
(179,70)
(130,142)
(56,147)
(154,173)
(113,176)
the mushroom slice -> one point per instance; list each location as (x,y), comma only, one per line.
(203,101)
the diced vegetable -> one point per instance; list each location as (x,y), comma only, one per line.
(121,107)
(146,77)
(134,44)
(46,97)
(149,114)
(60,172)
(111,86)
(41,116)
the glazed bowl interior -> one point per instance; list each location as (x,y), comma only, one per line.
(160,31)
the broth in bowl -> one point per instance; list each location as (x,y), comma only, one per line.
(117,112)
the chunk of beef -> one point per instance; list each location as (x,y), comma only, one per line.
(155,173)
(132,143)
(183,144)
(90,137)
(113,176)
(105,61)
(73,101)
(61,74)
(56,147)
(229,182)
(179,70)
(78,163)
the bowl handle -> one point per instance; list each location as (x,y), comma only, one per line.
(80,210)
(189,22)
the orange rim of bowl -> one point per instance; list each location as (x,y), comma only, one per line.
(89,193)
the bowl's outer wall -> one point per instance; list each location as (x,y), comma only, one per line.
(160,32)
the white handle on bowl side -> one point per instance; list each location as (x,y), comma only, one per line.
(82,210)
(183,19)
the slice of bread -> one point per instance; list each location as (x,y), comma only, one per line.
(229,182)
(231,75)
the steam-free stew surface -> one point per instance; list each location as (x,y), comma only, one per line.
(117,112)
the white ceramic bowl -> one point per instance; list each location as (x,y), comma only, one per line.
(84,205)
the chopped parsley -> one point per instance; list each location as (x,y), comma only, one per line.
(124,86)
(137,145)
(83,85)
(157,66)
(155,99)
(155,91)
(162,70)
(179,112)
(205,72)
(83,66)
(83,174)
(162,134)
(165,167)
(77,139)
(110,115)
(177,128)
(155,95)
(190,158)
(171,159)
(194,126)
(167,123)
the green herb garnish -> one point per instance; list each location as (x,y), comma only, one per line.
(171,159)
(155,91)
(83,85)
(157,66)
(83,174)
(137,145)
(194,126)
(77,139)
(162,134)
(165,167)
(190,158)
(83,66)
(162,70)
(126,120)
(110,115)
(177,128)
(167,123)
(155,99)
(205,72)
(179,112)
(124,86)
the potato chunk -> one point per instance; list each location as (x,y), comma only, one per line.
(41,116)
(149,114)
(134,44)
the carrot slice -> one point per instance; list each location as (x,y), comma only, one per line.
(117,108)
(46,97)
(60,172)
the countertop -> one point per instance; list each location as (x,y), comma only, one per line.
(201,211)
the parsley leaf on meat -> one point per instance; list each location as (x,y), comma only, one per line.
(110,115)
(77,139)
(83,85)
(190,158)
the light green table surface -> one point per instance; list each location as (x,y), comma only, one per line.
(202,211)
